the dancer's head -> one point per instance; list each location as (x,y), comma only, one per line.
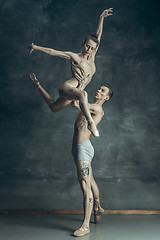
(90,44)
(104,93)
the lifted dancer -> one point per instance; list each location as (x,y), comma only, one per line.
(83,68)
(83,153)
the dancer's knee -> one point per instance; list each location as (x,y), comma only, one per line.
(83,96)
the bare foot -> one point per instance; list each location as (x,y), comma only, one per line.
(93,129)
(97,214)
(81,231)
(30,47)
(34,80)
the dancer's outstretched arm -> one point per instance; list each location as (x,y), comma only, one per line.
(106,13)
(53,52)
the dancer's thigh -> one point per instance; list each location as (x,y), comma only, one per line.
(69,92)
(84,172)
(60,103)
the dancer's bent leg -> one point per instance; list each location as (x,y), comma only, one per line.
(98,210)
(68,93)
(72,93)
(53,105)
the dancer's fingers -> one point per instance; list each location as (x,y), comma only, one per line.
(110,9)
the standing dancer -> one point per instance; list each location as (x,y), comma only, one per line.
(83,68)
(83,152)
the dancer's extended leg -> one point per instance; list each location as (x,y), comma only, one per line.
(53,105)
(84,175)
(68,93)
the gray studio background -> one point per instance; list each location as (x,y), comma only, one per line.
(36,167)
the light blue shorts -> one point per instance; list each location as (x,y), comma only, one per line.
(83,151)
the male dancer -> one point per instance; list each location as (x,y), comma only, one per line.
(83,153)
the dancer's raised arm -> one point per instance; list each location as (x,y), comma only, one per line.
(53,52)
(106,13)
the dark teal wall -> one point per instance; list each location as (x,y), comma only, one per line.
(36,167)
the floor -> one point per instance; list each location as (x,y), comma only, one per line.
(61,227)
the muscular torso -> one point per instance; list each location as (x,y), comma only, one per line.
(81,132)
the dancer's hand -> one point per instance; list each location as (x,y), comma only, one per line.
(81,80)
(107,12)
(80,85)
(31,48)
(75,104)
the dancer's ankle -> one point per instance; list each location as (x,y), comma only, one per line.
(96,204)
(39,86)
(92,128)
(85,225)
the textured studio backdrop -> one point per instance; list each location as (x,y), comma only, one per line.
(36,166)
